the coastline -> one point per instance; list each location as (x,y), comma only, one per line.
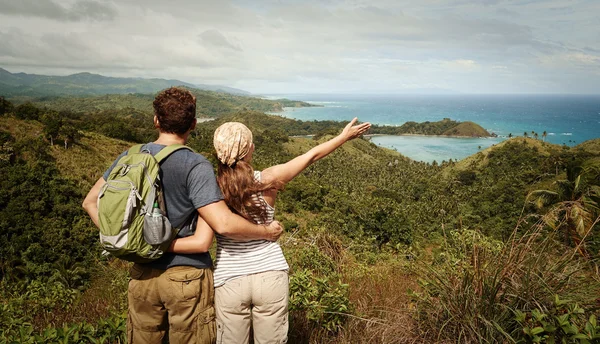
(369,136)
(425,135)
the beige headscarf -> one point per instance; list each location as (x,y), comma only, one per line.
(232,142)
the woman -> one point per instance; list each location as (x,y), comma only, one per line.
(251,279)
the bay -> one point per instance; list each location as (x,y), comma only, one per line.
(566,119)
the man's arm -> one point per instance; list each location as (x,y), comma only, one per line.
(90,203)
(198,243)
(217,215)
(220,218)
(203,237)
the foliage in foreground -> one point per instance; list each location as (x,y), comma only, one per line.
(478,290)
(564,322)
(355,221)
(110,330)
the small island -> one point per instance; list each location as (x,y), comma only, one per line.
(283,103)
(445,127)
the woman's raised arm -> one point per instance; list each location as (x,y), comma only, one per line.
(289,170)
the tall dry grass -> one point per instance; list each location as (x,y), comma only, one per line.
(471,295)
(378,292)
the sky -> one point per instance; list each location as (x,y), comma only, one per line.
(314,46)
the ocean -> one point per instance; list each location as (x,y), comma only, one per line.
(567,119)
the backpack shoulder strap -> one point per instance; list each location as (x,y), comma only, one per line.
(135,149)
(168,150)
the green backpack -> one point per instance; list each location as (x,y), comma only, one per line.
(131,211)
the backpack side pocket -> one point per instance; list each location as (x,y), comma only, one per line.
(157,228)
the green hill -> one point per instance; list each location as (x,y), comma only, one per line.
(208,103)
(22,84)
(590,146)
(480,159)
(371,236)
(446,127)
(467,129)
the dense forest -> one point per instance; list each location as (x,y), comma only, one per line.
(209,103)
(445,127)
(501,247)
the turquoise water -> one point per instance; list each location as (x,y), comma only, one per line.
(567,119)
(431,149)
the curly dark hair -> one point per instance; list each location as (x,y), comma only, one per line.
(175,109)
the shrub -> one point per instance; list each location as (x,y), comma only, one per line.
(27,111)
(5,106)
(109,330)
(564,322)
(470,295)
(311,258)
(322,303)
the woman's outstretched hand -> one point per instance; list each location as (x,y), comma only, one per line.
(352,131)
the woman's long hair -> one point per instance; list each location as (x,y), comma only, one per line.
(238,186)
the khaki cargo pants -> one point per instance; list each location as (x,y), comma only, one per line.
(258,300)
(178,302)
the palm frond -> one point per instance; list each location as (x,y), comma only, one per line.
(581,218)
(551,218)
(565,188)
(542,198)
(576,185)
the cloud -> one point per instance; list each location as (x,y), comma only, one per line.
(80,10)
(279,46)
(572,61)
(466,65)
(584,58)
(215,39)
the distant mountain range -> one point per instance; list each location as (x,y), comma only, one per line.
(22,84)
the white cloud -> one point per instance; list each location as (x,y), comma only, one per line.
(584,58)
(79,10)
(293,46)
(462,65)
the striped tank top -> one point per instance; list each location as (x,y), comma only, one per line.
(239,258)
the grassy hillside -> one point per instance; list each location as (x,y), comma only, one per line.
(590,146)
(467,129)
(445,127)
(480,160)
(209,103)
(382,249)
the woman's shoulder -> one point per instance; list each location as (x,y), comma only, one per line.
(263,176)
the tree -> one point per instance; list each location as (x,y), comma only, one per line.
(7,152)
(52,125)
(574,206)
(69,134)
(5,106)
(27,111)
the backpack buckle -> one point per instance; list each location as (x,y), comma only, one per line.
(125,170)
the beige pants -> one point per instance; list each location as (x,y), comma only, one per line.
(260,300)
(178,301)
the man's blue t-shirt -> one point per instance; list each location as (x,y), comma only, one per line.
(189,183)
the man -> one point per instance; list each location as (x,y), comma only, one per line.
(175,294)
